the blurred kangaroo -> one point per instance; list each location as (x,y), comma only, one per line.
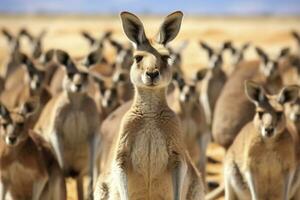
(12,63)
(196,131)
(70,123)
(35,42)
(233,110)
(261,162)
(214,80)
(34,86)
(28,167)
(149,160)
(238,55)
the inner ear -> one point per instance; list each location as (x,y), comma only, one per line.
(288,94)
(170,28)
(254,92)
(133,28)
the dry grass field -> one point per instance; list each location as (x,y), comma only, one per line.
(63,32)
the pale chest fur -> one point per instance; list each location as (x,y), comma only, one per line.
(75,127)
(190,129)
(149,154)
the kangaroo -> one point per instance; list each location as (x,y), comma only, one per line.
(233,110)
(34,86)
(149,159)
(10,67)
(28,167)
(292,111)
(212,84)
(35,42)
(238,54)
(291,73)
(106,98)
(70,123)
(261,162)
(195,129)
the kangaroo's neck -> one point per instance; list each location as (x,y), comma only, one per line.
(150,100)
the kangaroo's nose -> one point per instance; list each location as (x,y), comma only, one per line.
(152,75)
(12,139)
(269,131)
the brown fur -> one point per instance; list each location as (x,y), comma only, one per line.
(28,162)
(148,154)
(267,157)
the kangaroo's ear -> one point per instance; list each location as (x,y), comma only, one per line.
(25,32)
(263,56)
(133,28)
(283,52)
(92,58)
(255,92)
(245,46)
(207,48)
(88,37)
(288,94)
(296,36)
(226,45)
(170,27)
(42,34)
(64,59)
(7,34)
(48,56)
(30,67)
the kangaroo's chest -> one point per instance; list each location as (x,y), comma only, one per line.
(149,153)
(75,127)
(190,128)
(20,177)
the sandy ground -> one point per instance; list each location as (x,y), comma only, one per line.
(63,32)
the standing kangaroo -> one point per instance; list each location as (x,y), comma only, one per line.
(28,167)
(70,123)
(233,110)
(149,160)
(261,162)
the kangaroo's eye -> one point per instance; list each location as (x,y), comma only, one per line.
(260,114)
(20,124)
(279,114)
(165,58)
(138,58)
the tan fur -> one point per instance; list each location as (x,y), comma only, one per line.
(233,110)
(28,162)
(148,152)
(268,159)
(71,119)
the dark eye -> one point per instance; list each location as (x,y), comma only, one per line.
(71,74)
(165,58)
(5,125)
(260,114)
(20,124)
(138,58)
(279,114)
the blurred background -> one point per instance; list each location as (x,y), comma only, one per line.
(264,23)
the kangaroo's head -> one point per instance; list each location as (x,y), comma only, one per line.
(13,40)
(215,56)
(270,66)
(151,68)
(35,42)
(76,79)
(270,119)
(15,125)
(238,54)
